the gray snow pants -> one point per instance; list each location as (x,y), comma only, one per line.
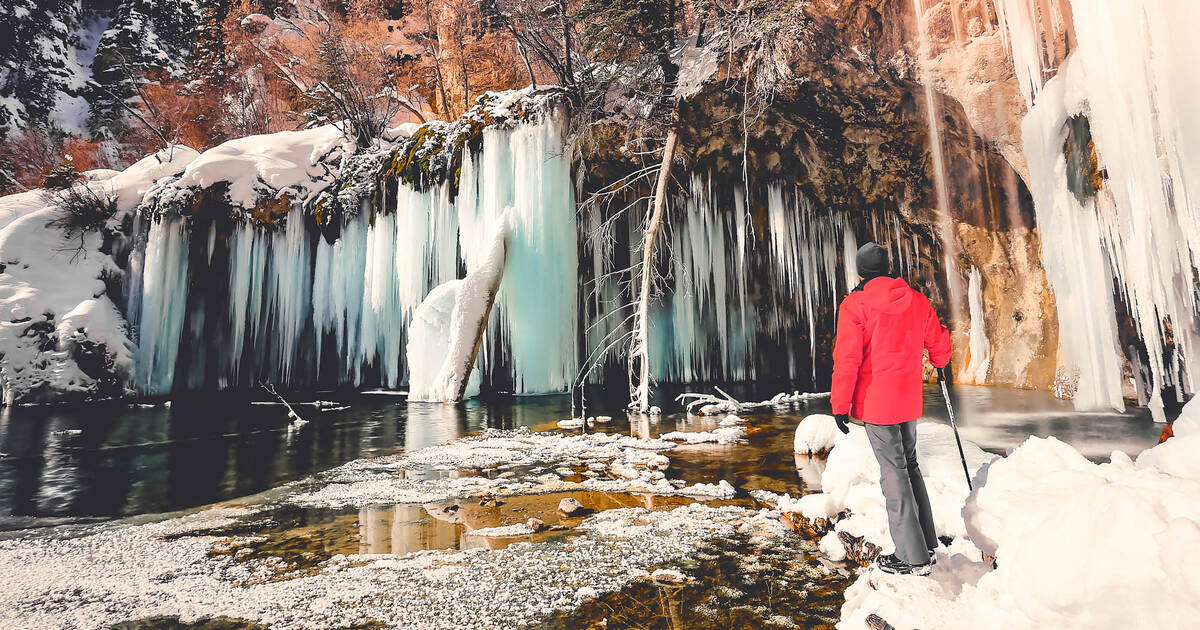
(910,519)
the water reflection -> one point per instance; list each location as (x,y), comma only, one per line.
(809,470)
(109,459)
(402,529)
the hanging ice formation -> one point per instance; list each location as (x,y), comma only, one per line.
(1132,219)
(735,304)
(979,350)
(750,281)
(285,305)
(447,327)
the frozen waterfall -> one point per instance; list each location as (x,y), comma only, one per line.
(283,304)
(1130,84)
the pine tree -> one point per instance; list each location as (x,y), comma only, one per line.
(145,37)
(211,59)
(37,60)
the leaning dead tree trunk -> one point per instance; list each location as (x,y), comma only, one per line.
(471,312)
(448,327)
(639,358)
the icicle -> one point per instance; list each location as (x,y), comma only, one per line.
(1133,77)
(164,303)
(526,167)
(979,350)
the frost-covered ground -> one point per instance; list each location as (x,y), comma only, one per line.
(518,462)
(1079,544)
(133,572)
(182,567)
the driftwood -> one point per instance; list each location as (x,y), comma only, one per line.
(711,405)
(291,410)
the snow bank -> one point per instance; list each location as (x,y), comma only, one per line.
(851,480)
(1188,422)
(60,331)
(816,433)
(1077,544)
(265,166)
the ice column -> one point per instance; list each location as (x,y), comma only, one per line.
(164,301)
(979,350)
(1133,76)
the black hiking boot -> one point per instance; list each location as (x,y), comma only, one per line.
(891,564)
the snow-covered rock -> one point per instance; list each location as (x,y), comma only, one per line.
(721,435)
(60,331)
(816,433)
(265,166)
(571,507)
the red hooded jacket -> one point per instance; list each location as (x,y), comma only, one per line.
(882,332)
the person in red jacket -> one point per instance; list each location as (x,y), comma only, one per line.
(884,327)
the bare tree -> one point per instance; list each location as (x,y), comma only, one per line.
(545,32)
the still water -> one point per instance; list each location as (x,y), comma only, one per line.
(110,460)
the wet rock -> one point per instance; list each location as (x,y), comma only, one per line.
(490,501)
(571,507)
(858,550)
(536,525)
(451,509)
(815,528)
(875,622)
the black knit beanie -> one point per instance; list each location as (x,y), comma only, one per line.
(873,261)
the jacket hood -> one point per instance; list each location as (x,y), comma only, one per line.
(889,295)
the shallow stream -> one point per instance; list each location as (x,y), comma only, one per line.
(63,467)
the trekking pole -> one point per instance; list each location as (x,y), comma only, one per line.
(950,408)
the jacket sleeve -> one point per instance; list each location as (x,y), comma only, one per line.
(937,340)
(847,357)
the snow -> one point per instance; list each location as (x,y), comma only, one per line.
(56,286)
(265,166)
(518,529)
(816,433)
(71,113)
(1108,545)
(56,582)
(722,435)
(446,471)
(1188,422)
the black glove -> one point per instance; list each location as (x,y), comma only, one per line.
(943,377)
(843,422)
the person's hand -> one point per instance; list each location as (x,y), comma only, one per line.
(943,377)
(843,422)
